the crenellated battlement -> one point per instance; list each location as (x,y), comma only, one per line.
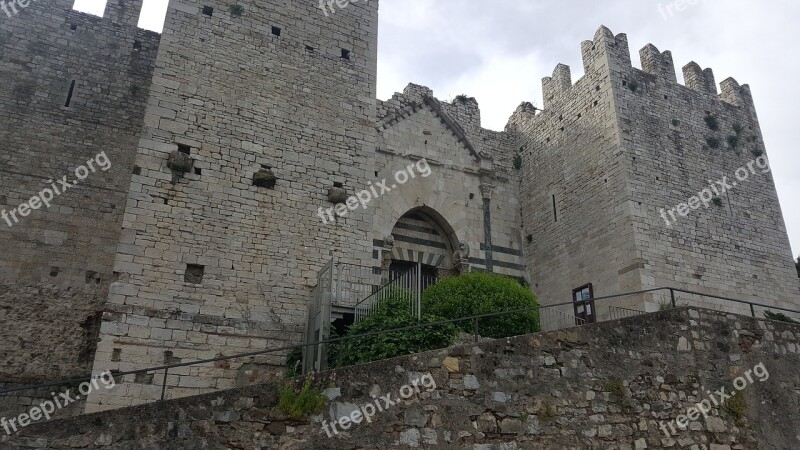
(699,79)
(658,63)
(735,94)
(610,53)
(606,48)
(561,81)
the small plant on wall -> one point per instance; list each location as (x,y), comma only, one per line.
(237,10)
(733,141)
(712,142)
(302,398)
(518,162)
(712,122)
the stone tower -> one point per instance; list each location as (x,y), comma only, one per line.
(614,149)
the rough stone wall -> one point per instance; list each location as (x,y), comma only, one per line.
(737,248)
(609,385)
(57,262)
(412,130)
(572,163)
(265,90)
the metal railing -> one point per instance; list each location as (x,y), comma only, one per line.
(551,319)
(617,313)
(353,283)
(406,286)
(475,319)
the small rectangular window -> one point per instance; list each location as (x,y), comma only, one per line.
(345,54)
(207,10)
(185,149)
(276,31)
(194,274)
(555,210)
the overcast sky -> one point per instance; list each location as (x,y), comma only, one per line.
(497,51)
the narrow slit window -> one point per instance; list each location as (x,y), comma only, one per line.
(69,94)
(555,211)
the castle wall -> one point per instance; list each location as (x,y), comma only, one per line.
(57,261)
(267,88)
(738,247)
(575,217)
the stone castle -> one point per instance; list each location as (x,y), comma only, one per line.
(229,131)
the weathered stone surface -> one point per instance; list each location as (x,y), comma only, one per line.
(451,364)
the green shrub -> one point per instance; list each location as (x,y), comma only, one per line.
(736,406)
(301,398)
(480,293)
(781,317)
(711,122)
(712,142)
(394,312)
(463,98)
(738,128)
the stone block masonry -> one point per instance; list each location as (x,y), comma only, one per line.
(74,85)
(209,263)
(601,386)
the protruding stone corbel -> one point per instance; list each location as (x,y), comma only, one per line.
(461,257)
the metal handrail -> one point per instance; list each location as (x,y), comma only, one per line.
(385,286)
(475,318)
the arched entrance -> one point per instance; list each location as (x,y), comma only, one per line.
(423,236)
